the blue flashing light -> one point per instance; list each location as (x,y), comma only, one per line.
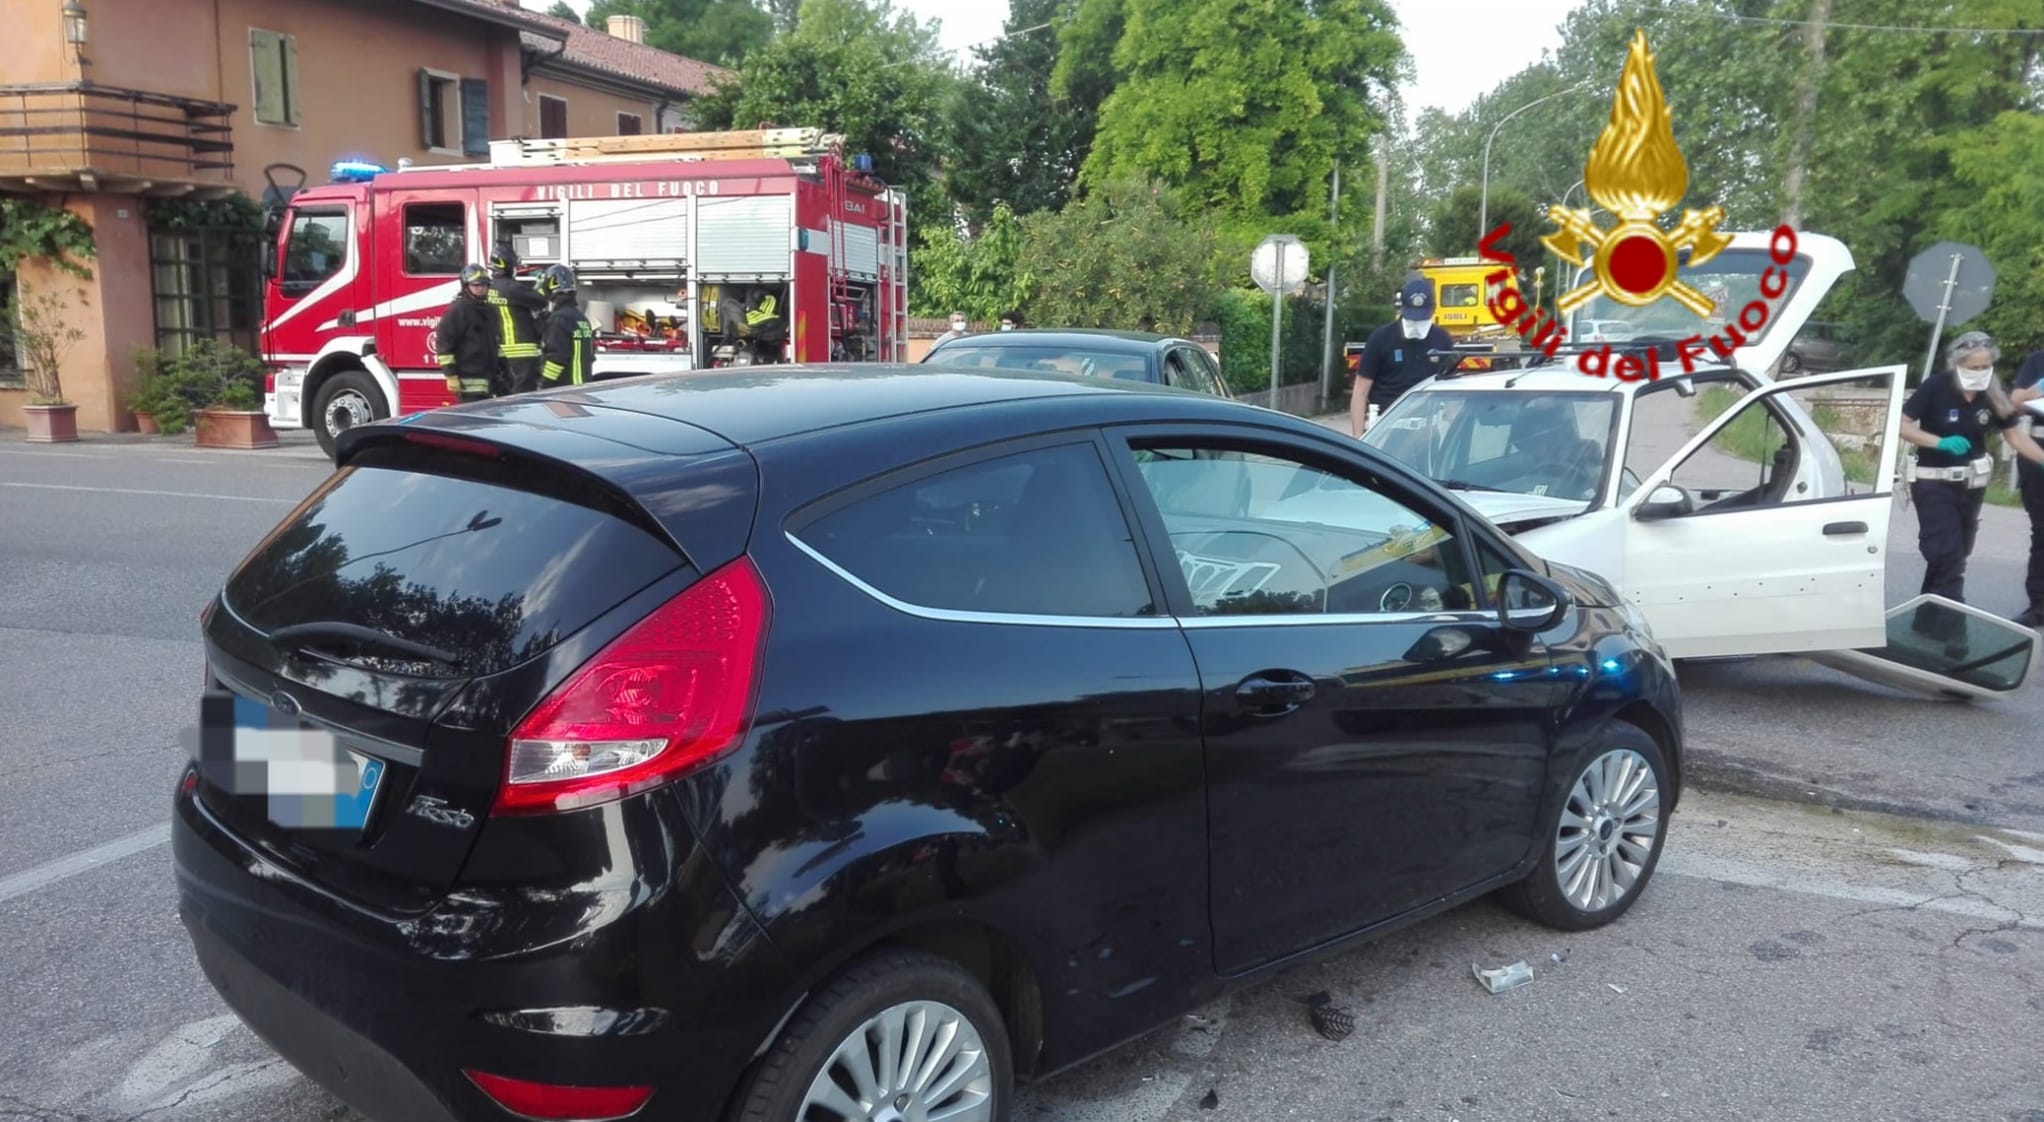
(1505,675)
(355,171)
(1611,666)
(863,162)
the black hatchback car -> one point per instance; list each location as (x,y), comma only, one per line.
(848,744)
(1135,356)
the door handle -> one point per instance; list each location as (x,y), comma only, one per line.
(1265,694)
(1836,528)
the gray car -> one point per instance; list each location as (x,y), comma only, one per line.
(1128,355)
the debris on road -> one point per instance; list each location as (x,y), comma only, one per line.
(1212,1100)
(1615,987)
(1504,977)
(1329,1019)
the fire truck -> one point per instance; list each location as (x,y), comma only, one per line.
(673,239)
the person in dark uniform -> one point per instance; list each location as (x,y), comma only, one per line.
(2030,478)
(1948,419)
(519,310)
(1395,358)
(465,342)
(568,351)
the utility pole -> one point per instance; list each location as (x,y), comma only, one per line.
(1383,187)
(1806,115)
(1327,313)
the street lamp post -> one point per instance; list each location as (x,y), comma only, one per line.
(1483,207)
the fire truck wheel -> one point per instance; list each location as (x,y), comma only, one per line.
(345,400)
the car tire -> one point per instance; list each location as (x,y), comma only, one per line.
(350,398)
(848,1023)
(1791,363)
(1583,878)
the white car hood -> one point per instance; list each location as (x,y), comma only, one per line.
(1506,508)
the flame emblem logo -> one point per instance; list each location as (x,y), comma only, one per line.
(1637,173)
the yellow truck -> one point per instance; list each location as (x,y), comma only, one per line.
(1462,296)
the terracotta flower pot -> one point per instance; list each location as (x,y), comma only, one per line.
(145,423)
(51,424)
(231,428)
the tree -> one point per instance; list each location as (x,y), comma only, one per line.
(982,274)
(719,31)
(1128,255)
(561,10)
(1454,231)
(1013,138)
(1243,104)
(2001,169)
(856,67)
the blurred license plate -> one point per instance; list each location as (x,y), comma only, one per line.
(309,780)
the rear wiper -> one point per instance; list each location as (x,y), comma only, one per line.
(1465,485)
(308,634)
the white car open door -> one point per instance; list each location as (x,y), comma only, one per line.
(1768,532)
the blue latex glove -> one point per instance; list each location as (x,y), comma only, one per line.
(1955,445)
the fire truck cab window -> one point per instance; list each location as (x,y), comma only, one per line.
(434,242)
(318,248)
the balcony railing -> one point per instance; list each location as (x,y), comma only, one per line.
(79,136)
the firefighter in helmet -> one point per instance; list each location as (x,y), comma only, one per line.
(518,312)
(465,343)
(568,353)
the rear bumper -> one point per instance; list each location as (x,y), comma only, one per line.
(677,989)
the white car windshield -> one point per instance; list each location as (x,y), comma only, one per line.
(1534,443)
(1730,281)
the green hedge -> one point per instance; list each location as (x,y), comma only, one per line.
(1244,317)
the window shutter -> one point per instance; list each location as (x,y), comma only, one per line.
(426,121)
(265,63)
(288,79)
(475,117)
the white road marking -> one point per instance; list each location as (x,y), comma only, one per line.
(138,491)
(179,1057)
(1726,871)
(63,868)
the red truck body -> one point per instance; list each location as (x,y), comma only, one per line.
(670,237)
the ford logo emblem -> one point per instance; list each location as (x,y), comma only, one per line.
(284,703)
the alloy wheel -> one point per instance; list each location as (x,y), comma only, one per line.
(1607,832)
(920,1061)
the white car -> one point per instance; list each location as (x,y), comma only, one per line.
(1740,516)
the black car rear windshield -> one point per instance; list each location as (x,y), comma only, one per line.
(487,573)
(1052,359)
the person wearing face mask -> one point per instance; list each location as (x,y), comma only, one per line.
(2029,387)
(957,328)
(1947,419)
(1011,320)
(1396,356)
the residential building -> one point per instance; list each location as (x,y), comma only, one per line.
(111,112)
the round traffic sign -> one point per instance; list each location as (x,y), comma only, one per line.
(1928,271)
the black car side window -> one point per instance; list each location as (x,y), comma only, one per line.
(1259,534)
(1037,533)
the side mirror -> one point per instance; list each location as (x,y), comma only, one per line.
(1666,501)
(1529,602)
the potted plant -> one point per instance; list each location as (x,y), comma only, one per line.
(221,379)
(146,399)
(41,339)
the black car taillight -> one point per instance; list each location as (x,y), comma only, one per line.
(669,695)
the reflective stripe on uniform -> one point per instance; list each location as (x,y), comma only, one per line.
(576,355)
(447,360)
(505,347)
(761,314)
(475,385)
(551,371)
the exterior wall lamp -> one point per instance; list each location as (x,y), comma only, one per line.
(75,33)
